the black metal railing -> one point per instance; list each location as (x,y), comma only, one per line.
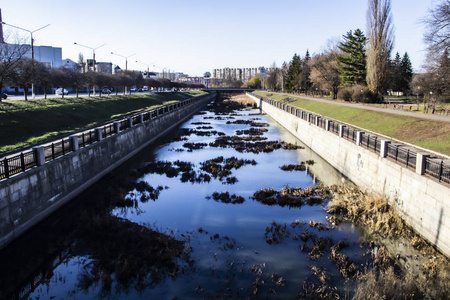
(405,156)
(18,163)
(438,169)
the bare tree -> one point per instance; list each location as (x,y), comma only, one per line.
(23,74)
(10,54)
(61,78)
(437,33)
(381,41)
(324,72)
(43,77)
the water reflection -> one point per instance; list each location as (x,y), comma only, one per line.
(179,220)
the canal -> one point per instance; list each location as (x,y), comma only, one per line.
(183,219)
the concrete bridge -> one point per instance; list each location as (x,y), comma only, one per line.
(229,91)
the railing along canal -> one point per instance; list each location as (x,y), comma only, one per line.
(405,156)
(20,162)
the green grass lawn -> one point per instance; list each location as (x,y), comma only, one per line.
(28,122)
(433,135)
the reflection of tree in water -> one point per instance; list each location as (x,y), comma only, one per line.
(129,254)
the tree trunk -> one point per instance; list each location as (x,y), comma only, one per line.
(25,93)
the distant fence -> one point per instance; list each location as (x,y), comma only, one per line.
(20,162)
(433,167)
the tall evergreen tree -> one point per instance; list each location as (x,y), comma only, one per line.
(406,73)
(293,73)
(304,82)
(395,73)
(352,64)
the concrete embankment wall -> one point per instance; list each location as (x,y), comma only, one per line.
(28,198)
(422,202)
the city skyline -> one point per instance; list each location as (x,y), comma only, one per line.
(199,36)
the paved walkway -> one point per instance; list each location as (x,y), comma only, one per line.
(435,117)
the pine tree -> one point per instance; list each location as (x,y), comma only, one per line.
(352,65)
(406,73)
(293,73)
(304,82)
(395,73)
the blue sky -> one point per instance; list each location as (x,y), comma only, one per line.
(195,36)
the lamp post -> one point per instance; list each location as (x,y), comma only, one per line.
(93,52)
(126,58)
(32,46)
(126,63)
(93,60)
(148,66)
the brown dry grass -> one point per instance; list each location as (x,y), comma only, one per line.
(372,211)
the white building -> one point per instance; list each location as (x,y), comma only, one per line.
(50,56)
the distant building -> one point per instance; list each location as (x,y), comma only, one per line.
(48,55)
(237,74)
(70,64)
(196,80)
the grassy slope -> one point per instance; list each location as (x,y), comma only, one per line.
(27,122)
(434,135)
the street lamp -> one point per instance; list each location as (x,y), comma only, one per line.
(93,52)
(148,66)
(93,60)
(32,46)
(126,63)
(126,59)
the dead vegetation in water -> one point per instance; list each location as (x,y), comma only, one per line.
(249,122)
(190,131)
(252,131)
(276,233)
(241,145)
(297,167)
(293,197)
(194,146)
(318,286)
(225,197)
(392,276)
(221,168)
(369,210)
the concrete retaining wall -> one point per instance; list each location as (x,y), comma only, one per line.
(422,202)
(28,198)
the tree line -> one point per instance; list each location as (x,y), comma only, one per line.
(20,71)
(360,67)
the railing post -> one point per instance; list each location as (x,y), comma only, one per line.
(309,118)
(22,161)
(420,162)
(359,137)
(327,125)
(407,157)
(116,127)
(39,155)
(141,118)
(384,147)
(98,134)
(74,142)
(341,130)
(317,120)
(5,164)
(130,122)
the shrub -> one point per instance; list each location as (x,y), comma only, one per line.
(345,94)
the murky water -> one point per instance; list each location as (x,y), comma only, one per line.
(226,249)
